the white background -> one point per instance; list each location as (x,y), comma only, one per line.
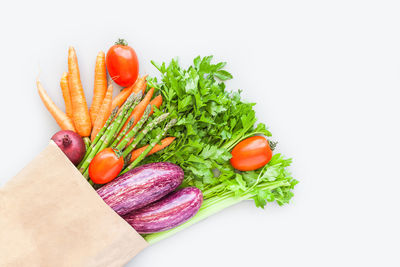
(325,75)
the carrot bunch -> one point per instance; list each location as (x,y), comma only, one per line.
(89,122)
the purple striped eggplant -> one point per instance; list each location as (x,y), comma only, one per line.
(167,213)
(141,186)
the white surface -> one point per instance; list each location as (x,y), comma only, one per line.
(325,74)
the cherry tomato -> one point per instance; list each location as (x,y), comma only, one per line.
(122,63)
(251,154)
(105,166)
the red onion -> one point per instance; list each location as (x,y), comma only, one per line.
(71,144)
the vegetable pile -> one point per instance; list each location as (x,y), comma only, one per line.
(215,155)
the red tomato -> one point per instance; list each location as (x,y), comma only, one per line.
(105,166)
(122,63)
(251,154)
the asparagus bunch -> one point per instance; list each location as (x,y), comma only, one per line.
(150,147)
(105,139)
(143,133)
(136,99)
(126,140)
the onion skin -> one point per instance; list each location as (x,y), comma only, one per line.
(71,144)
(141,186)
(167,213)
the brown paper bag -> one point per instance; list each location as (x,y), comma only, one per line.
(51,217)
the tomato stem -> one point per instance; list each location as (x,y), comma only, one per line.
(117,152)
(272,145)
(121,42)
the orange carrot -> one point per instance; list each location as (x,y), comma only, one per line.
(157,101)
(61,118)
(164,143)
(120,99)
(66,94)
(100,85)
(140,84)
(140,108)
(80,110)
(104,112)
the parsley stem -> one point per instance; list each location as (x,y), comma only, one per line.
(213,190)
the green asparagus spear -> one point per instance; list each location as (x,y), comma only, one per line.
(101,132)
(87,142)
(123,133)
(143,133)
(85,163)
(135,129)
(127,160)
(131,102)
(150,147)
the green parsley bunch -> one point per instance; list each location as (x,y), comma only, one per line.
(211,121)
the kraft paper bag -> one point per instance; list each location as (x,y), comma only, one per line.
(51,217)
